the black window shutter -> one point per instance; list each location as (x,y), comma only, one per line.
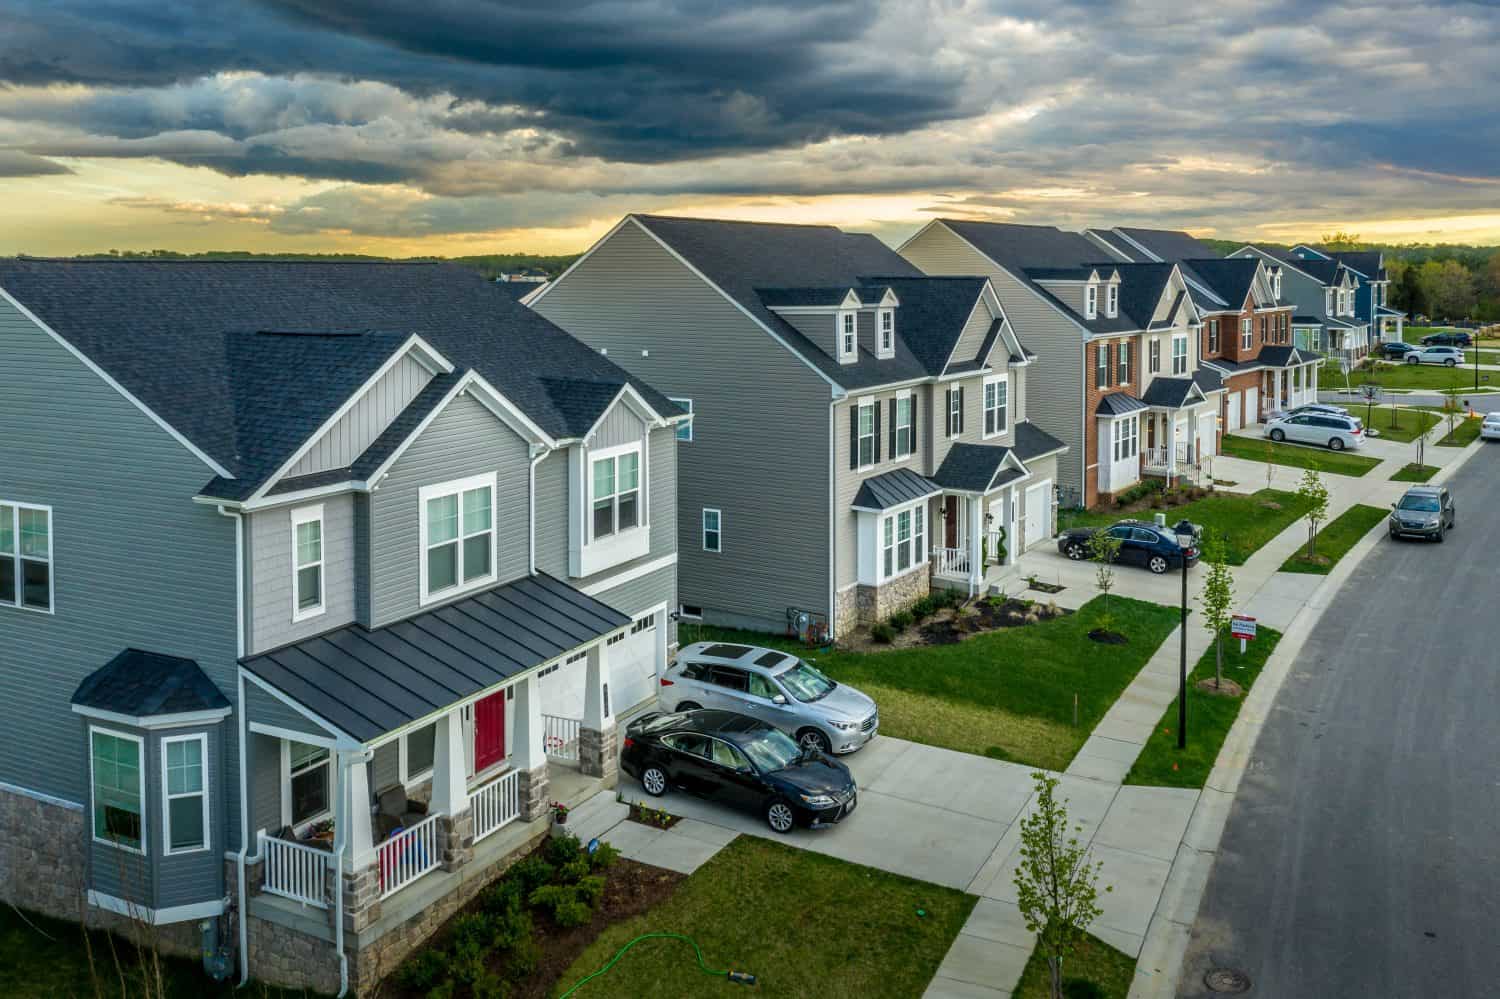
(854,436)
(893,427)
(876,408)
(914,408)
(960,409)
(948,413)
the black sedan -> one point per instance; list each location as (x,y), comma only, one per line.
(1448,338)
(1141,543)
(1396,349)
(739,761)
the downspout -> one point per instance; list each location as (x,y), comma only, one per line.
(833,579)
(540,452)
(340,844)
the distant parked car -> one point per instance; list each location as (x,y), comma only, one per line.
(1490,428)
(1449,356)
(1141,543)
(1448,338)
(1396,349)
(1336,433)
(776,687)
(1423,512)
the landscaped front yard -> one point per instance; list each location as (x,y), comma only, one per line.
(1004,694)
(1431,377)
(1297,455)
(802,923)
(1335,539)
(1245,522)
(1396,424)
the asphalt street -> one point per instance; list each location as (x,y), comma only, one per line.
(1362,854)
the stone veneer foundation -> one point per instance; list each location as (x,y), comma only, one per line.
(866,605)
(598,753)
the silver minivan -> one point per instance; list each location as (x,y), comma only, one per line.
(776,687)
(1322,429)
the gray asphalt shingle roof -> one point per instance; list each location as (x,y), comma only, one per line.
(368,682)
(142,684)
(978,467)
(893,488)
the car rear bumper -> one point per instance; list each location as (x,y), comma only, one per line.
(1490,434)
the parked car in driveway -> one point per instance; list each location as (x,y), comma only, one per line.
(1396,349)
(1490,428)
(1450,356)
(1141,543)
(1322,429)
(741,762)
(1448,338)
(775,687)
(1423,512)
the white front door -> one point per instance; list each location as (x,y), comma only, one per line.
(1038,512)
(1232,411)
(633,663)
(1252,405)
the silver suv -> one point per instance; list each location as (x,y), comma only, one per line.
(776,687)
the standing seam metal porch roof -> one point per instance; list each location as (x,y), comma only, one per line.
(370,682)
(893,488)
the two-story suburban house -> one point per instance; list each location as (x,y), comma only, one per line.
(1118,375)
(1372,296)
(1324,292)
(1247,331)
(306,570)
(859,430)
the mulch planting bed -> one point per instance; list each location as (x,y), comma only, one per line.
(986,616)
(1104,637)
(1225,688)
(656,818)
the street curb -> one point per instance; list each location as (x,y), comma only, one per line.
(1160,964)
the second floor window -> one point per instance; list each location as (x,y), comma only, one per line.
(1245,335)
(1328,301)
(307,562)
(685,430)
(1213,337)
(1156,354)
(901,429)
(1124,355)
(458,534)
(713,538)
(1179,354)
(617,493)
(995,402)
(1101,366)
(26,556)
(955,411)
(866,436)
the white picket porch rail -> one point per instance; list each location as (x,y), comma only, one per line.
(560,737)
(496,804)
(952,562)
(408,855)
(295,871)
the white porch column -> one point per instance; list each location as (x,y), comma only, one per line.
(598,752)
(450,791)
(974,507)
(1171,435)
(527,753)
(1011,541)
(360,880)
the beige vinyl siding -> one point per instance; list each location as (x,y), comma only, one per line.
(971,340)
(760,440)
(357,429)
(268,553)
(849,480)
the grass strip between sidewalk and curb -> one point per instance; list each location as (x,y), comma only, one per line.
(1335,539)
(1402,425)
(1161,763)
(1245,522)
(1297,456)
(1094,961)
(1412,472)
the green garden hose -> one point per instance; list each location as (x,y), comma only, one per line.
(741,977)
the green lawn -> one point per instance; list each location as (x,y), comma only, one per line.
(1006,694)
(1486,356)
(1336,538)
(1245,522)
(47,957)
(1430,377)
(1209,716)
(1412,472)
(1465,432)
(802,923)
(1396,424)
(1297,455)
(1094,961)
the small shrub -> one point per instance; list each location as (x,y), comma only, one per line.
(568,903)
(510,929)
(883,633)
(901,620)
(573,913)
(563,850)
(523,959)
(604,857)
(504,897)
(443,991)
(490,986)
(531,873)
(423,971)
(574,870)
(923,609)
(590,889)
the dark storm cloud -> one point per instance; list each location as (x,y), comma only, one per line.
(14,163)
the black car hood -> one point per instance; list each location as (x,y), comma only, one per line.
(815,774)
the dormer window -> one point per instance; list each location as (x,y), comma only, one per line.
(886,324)
(1276,285)
(848,337)
(1091,301)
(1112,301)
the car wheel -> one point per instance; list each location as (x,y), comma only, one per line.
(1157,564)
(779,816)
(811,738)
(1278,436)
(1413,359)
(689,706)
(1440,534)
(1450,362)
(1076,552)
(1336,444)
(654,781)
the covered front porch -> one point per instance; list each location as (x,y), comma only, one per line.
(1289,380)
(1181,425)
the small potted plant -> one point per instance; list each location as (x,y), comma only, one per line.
(559,819)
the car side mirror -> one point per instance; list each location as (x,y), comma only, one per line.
(779,700)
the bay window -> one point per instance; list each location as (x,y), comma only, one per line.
(26,556)
(1125,436)
(184,761)
(458,535)
(308,783)
(996,401)
(307,562)
(617,493)
(119,789)
(902,541)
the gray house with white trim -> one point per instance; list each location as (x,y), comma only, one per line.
(1325,292)
(859,430)
(315,579)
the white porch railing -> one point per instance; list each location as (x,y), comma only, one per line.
(408,855)
(560,737)
(1156,458)
(295,871)
(951,562)
(496,804)
(992,547)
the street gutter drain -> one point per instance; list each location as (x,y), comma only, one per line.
(1227,980)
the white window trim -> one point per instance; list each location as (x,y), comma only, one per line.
(687,405)
(984,402)
(1122,360)
(1112,301)
(955,416)
(305,515)
(458,487)
(286,788)
(859,407)
(1091,301)
(1247,333)
(408,779)
(20,602)
(140,770)
(604,454)
(1181,338)
(919,558)
(883,349)
(909,397)
(167,796)
(849,355)
(719,530)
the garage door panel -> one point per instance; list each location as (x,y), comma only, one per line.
(633,662)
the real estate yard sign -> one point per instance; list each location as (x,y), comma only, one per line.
(1242,626)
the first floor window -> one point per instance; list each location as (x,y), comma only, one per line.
(617,493)
(119,788)
(902,541)
(996,391)
(1179,354)
(307,553)
(421,750)
(459,535)
(26,556)
(713,538)
(184,788)
(903,427)
(309,768)
(1126,438)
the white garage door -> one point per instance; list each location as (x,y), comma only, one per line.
(1038,512)
(633,662)
(1252,406)
(1208,430)
(1232,411)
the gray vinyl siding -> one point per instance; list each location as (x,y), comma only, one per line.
(847,480)
(1297,288)
(136,562)
(357,429)
(385,768)
(269,552)
(361,546)
(186,878)
(465,439)
(822,328)
(264,766)
(760,447)
(619,426)
(552,513)
(643,593)
(265,709)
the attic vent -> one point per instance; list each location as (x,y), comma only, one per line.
(317,332)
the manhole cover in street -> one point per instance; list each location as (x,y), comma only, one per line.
(1227,980)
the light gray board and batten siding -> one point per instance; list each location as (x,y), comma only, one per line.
(269,552)
(620,426)
(356,430)
(1055,386)
(760,425)
(120,487)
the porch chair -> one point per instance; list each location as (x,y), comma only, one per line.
(394,812)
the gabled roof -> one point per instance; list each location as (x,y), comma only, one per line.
(1230,278)
(933,313)
(1118,404)
(1166,244)
(979,468)
(1287,356)
(140,684)
(1172,393)
(1366,263)
(1321,269)
(247,359)
(894,488)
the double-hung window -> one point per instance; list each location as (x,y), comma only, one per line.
(1179,353)
(903,541)
(866,417)
(685,429)
(184,806)
(713,537)
(1245,334)
(1101,369)
(1156,352)
(458,535)
(956,411)
(308,771)
(848,336)
(996,402)
(1213,337)
(119,788)
(1091,301)
(1124,362)
(1328,301)
(901,431)
(887,332)
(26,556)
(617,493)
(307,562)
(1112,301)
(1126,438)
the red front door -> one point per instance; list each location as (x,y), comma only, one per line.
(950,521)
(489,732)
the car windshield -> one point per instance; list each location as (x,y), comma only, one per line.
(771,750)
(806,684)
(1422,504)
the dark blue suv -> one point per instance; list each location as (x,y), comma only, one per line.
(1141,543)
